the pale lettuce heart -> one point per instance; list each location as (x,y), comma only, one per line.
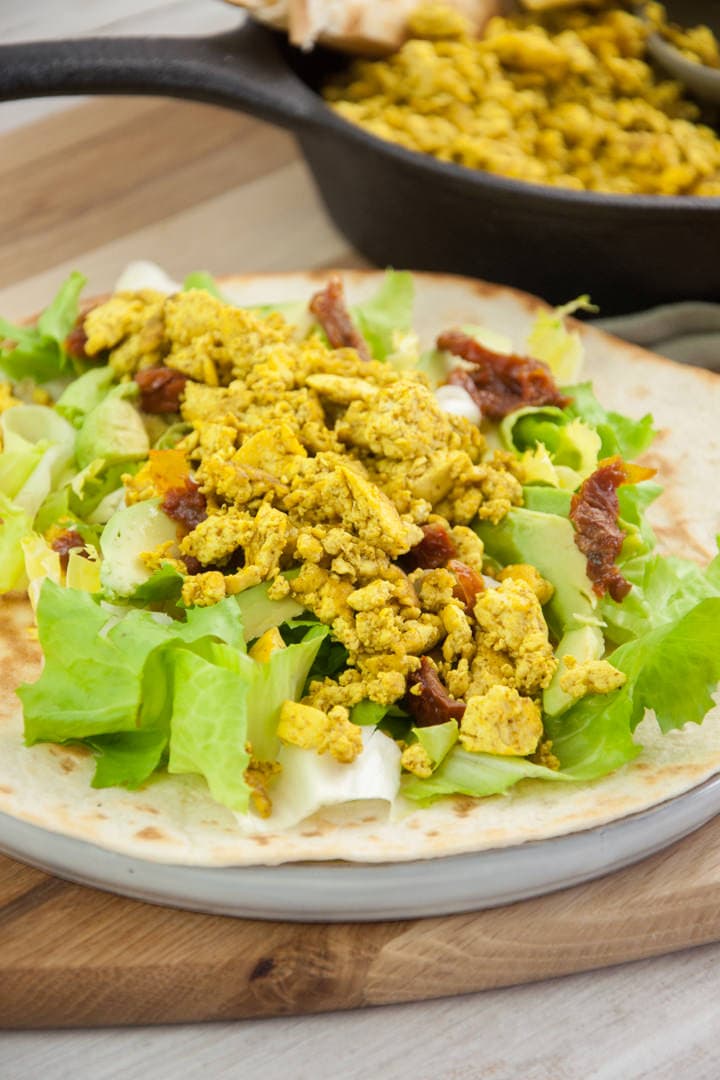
(310,782)
(37,435)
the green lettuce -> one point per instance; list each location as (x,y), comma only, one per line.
(201,279)
(142,689)
(38,352)
(561,349)
(387,316)
(15,525)
(619,434)
(84,394)
(554,448)
(479,775)
(210,741)
(673,670)
(38,450)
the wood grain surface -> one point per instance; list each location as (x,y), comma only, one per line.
(72,956)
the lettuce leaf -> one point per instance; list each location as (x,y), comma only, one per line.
(38,352)
(672,670)
(92,680)
(619,434)
(84,394)
(479,775)
(38,448)
(387,315)
(554,448)
(211,741)
(550,340)
(15,525)
(141,688)
(201,279)
(128,758)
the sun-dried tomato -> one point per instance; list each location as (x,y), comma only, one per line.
(185,504)
(594,513)
(329,308)
(430,704)
(433,551)
(469,583)
(499,384)
(160,389)
(75,343)
(65,542)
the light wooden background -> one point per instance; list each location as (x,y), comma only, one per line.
(654,1019)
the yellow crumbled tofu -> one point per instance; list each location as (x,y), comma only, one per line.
(374,595)
(245,578)
(415,759)
(163,555)
(470,548)
(544,756)
(512,621)
(259,775)
(6,396)
(590,677)
(459,639)
(524,572)
(501,722)
(568,98)
(274,451)
(318,471)
(267,644)
(215,538)
(312,729)
(203,590)
(130,327)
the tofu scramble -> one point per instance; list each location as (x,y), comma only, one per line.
(565,97)
(312,459)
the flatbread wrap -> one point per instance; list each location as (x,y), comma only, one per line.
(392,808)
(362,27)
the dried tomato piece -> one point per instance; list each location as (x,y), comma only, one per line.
(433,551)
(469,583)
(65,542)
(594,513)
(75,343)
(329,308)
(431,704)
(160,389)
(499,384)
(185,504)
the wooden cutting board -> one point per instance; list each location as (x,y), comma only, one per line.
(194,187)
(73,956)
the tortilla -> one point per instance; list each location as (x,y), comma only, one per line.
(366,27)
(174,819)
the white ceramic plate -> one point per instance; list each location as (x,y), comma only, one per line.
(363,892)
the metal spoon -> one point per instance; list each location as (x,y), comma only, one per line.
(703,82)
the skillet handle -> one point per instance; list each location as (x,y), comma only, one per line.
(241,69)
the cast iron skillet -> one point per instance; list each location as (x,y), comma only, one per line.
(395,206)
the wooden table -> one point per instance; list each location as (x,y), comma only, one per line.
(205,189)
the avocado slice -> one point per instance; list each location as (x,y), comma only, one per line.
(129,532)
(584,643)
